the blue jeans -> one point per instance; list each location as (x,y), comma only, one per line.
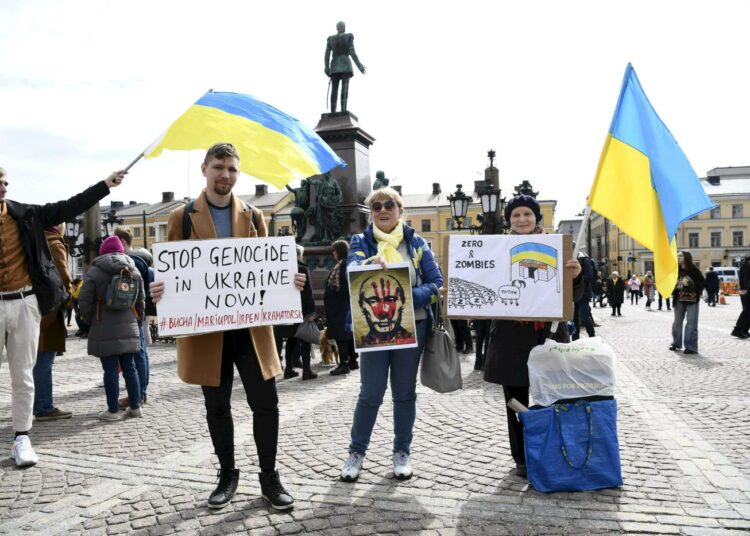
(141,363)
(374,368)
(112,380)
(43,382)
(681,310)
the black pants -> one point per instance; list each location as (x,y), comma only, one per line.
(346,350)
(463,335)
(743,322)
(295,346)
(668,306)
(261,397)
(482,328)
(582,316)
(515,428)
(616,310)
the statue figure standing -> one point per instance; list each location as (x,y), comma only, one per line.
(326,213)
(301,205)
(339,66)
(381,181)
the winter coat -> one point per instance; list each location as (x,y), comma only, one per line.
(712,281)
(615,291)
(31,221)
(52,331)
(337,305)
(308,304)
(511,341)
(364,248)
(199,356)
(745,274)
(112,332)
(692,292)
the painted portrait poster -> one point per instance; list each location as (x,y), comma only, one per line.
(382,307)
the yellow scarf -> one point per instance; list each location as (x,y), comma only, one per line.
(388,243)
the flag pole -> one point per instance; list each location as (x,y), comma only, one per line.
(582,231)
(143,153)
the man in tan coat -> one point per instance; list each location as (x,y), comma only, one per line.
(52,335)
(209,359)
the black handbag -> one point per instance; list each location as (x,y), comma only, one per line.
(441,366)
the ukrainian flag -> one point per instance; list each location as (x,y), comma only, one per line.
(644,183)
(273,146)
(534,252)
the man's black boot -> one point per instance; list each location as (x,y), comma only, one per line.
(273,491)
(225,489)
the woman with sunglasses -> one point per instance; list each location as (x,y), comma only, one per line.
(388,240)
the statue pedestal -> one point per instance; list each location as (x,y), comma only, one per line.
(341,131)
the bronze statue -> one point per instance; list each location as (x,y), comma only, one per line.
(301,206)
(381,181)
(325,214)
(338,65)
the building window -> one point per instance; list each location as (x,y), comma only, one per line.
(426,226)
(715,239)
(716,213)
(737,237)
(136,232)
(737,211)
(429,243)
(693,239)
(449,223)
(467,221)
(285,229)
(152,232)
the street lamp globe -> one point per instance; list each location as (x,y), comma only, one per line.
(459,204)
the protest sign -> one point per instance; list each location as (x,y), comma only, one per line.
(518,277)
(228,283)
(382,307)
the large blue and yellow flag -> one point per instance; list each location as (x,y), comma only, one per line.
(645,184)
(273,146)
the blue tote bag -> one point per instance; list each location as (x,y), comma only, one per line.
(572,447)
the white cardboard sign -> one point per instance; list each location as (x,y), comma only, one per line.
(506,276)
(227,283)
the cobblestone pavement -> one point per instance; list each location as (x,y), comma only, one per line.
(683,425)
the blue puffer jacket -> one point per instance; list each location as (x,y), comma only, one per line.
(364,248)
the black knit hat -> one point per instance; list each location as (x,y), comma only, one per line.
(523,200)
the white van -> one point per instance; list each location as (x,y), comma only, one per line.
(728,274)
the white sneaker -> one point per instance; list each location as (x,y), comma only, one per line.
(402,465)
(22,452)
(352,467)
(107,416)
(130,412)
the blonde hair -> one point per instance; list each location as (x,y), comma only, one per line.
(384,194)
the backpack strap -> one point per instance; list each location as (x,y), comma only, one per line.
(186,220)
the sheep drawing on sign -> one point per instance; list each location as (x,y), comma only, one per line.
(510,294)
(462,294)
(534,261)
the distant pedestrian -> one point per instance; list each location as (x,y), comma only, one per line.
(114,336)
(338,306)
(743,321)
(615,293)
(598,290)
(687,294)
(669,307)
(712,286)
(648,289)
(634,284)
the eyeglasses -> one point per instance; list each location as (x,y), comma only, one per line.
(377,206)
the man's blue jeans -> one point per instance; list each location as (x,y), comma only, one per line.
(112,380)
(374,369)
(141,363)
(681,310)
(43,382)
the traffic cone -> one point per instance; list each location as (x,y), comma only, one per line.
(722,299)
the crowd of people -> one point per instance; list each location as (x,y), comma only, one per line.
(118,294)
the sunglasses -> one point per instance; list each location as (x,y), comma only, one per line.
(377,206)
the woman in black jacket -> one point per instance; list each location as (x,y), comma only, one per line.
(687,297)
(511,341)
(337,304)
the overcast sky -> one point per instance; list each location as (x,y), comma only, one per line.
(85,86)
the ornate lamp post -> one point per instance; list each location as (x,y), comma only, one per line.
(489,196)
(459,206)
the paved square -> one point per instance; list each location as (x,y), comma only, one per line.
(684,426)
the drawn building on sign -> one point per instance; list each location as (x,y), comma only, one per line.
(534,261)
